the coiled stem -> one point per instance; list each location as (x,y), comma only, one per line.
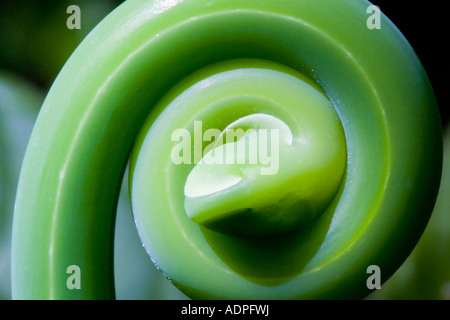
(135,64)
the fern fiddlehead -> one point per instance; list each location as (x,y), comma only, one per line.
(356,120)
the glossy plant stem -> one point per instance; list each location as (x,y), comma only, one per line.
(79,148)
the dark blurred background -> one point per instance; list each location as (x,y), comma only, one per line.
(425,26)
(34,45)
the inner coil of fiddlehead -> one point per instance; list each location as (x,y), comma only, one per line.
(257,148)
(258,177)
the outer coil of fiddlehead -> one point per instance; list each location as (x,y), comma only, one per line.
(374,212)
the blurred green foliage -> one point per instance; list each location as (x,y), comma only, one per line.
(34,38)
(19,106)
(34,45)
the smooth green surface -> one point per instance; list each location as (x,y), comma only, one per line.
(78,151)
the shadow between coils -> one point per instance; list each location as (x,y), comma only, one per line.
(275,259)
